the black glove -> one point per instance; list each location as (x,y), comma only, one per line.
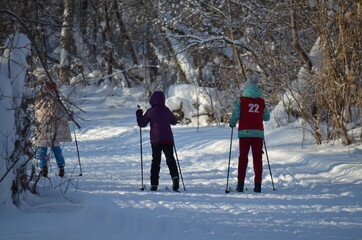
(230,125)
(139,112)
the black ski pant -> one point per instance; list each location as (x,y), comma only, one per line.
(167,149)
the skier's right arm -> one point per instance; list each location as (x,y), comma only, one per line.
(142,120)
(235,115)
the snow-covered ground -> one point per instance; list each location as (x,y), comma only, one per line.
(318,192)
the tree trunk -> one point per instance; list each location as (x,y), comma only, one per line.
(173,57)
(302,54)
(66,42)
(124,34)
(235,50)
(108,38)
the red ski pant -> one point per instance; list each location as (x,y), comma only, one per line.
(256,145)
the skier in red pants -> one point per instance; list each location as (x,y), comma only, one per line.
(250,111)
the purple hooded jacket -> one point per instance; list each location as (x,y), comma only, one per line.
(160,118)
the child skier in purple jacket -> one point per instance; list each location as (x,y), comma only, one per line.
(160,119)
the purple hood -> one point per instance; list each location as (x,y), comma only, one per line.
(157,99)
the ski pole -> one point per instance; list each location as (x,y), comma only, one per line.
(179,167)
(227,178)
(76,144)
(267,157)
(142,187)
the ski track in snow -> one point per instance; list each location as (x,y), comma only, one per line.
(318,192)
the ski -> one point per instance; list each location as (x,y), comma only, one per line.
(230,189)
(169,190)
(166,189)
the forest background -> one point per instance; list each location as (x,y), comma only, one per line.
(307,52)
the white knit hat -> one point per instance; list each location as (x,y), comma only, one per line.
(252,81)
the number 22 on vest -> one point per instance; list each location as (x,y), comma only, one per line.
(254,108)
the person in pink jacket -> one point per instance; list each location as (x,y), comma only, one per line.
(51,128)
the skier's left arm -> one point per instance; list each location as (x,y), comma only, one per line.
(173,119)
(266,114)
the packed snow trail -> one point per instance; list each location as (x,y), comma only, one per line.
(318,192)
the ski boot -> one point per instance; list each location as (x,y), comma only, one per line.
(61,171)
(257,187)
(44,172)
(175,183)
(240,187)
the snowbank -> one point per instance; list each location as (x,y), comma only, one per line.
(190,102)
